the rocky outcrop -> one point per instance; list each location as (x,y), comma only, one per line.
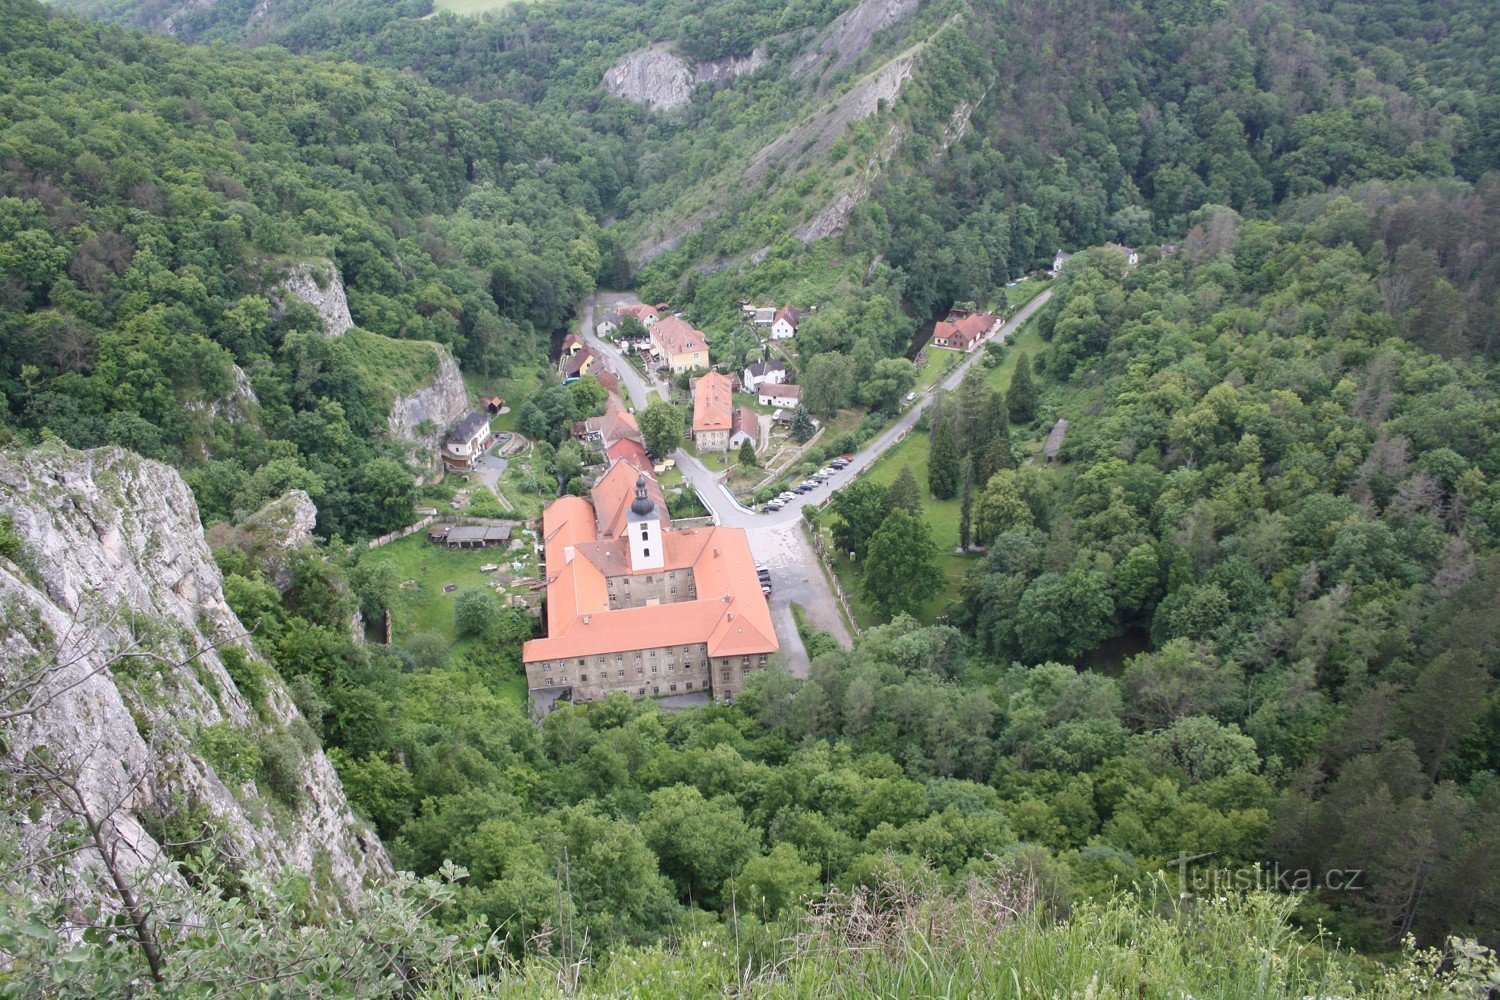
(235,405)
(319,284)
(147,676)
(662,79)
(851,33)
(271,534)
(427,414)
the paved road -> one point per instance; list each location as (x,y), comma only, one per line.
(776,539)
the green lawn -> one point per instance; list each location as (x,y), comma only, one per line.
(1023,292)
(940,361)
(942,516)
(425,608)
(514,389)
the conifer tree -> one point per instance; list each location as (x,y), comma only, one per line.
(1022,397)
(905,493)
(943,461)
(747,453)
(802,425)
(966,502)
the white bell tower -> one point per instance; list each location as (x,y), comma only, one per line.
(643,527)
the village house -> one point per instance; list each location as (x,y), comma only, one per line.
(713,418)
(583,362)
(1131,256)
(607,323)
(745,427)
(962,330)
(469,440)
(784,326)
(646,314)
(1058,261)
(617,423)
(763,316)
(678,346)
(787,396)
(635,605)
(764,373)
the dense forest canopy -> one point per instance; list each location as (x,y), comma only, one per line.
(1248,615)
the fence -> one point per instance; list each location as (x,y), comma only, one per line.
(435,518)
(824,562)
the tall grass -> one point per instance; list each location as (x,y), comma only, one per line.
(988,938)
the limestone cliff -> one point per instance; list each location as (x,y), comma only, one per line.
(662,79)
(271,534)
(151,692)
(319,284)
(427,414)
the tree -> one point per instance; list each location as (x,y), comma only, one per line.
(476,611)
(828,383)
(965,502)
(775,882)
(901,572)
(662,426)
(1001,507)
(700,842)
(859,508)
(1064,615)
(802,425)
(747,453)
(1021,398)
(905,494)
(943,465)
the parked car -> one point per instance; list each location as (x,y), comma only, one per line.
(846,458)
(773,506)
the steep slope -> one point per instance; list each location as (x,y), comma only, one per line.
(147,692)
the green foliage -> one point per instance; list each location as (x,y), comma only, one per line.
(747,454)
(662,427)
(802,428)
(900,572)
(232,754)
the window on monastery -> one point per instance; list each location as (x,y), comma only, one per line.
(648,556)
(622,673)
(582,663)
(653,654)
(648,552)
(689,685)
(583,678)
(653,668)
(674,591)
(639,672)
(724,675)
(673,687)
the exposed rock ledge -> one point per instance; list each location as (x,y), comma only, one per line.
(113,560)
(428,414)
(319,284)
(662,79)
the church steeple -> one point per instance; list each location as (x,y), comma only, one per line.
(643,530)
(642,504)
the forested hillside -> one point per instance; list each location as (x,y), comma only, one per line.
(154,191)
(1245,618)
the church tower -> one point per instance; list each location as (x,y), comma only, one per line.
(643,528)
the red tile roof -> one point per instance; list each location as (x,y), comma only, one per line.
(713,401)
(964,332)
(677,337)
(730,614)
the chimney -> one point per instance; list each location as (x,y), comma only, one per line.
(568,554)
(585,619)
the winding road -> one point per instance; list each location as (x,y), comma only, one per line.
(776,539)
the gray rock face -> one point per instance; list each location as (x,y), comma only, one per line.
(272,533)
(319,284)
(662,79)
(851,33)
(235,406)
(116,600)
(428,414)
